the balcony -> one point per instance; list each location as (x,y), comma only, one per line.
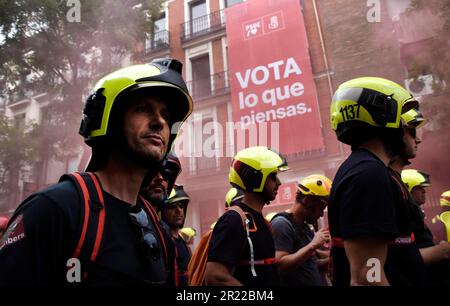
(203,25)
(157,42)
(216,84)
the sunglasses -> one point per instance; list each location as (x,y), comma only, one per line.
(149,242)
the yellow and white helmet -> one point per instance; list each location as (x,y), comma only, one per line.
(445,199)
(412,178)
(251,167)
(367,102)
(413,118)
(270,216)
(161,76)
(188,233)
(233,195)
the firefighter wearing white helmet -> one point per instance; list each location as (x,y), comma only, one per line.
(247,249)
(367,209)
(130,121)
(301,259)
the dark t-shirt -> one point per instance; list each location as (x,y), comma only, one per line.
(229,245)
(365,201)
(49,228)
(183,258)
(289,237)
(422,234)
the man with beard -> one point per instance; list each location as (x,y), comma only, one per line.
(157,186)
(244,254)
(434,256)
(297,246)
(154,189)
(412,121)
(173,214)
(130,122)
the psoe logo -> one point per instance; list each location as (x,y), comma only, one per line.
(253,29)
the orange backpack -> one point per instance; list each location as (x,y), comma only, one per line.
(199,259)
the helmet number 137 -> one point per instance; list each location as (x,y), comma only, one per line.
(349,113)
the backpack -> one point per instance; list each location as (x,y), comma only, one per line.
(199,259)
(92,217)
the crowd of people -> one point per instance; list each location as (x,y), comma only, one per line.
(123,219)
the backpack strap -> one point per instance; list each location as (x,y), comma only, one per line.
(246,224)
(92,215)
(154,216)
(288,217)
(198,262)
(400,185)
(176,272)
(240,212)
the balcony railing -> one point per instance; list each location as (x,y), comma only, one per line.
(203,25)
(156,42)
(216,84)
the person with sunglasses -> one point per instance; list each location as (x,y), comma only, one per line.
(155,189)
(157,185)
(173,214)
(298,248)
(434,256)
(130,121)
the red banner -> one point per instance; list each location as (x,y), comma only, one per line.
(286,194)
(271,76)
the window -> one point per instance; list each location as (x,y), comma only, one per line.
(205,163)
(160,36)
(198,9)
(199,19)
(230,3)
(201,77)
(160,24)
(45,115)
(19,120)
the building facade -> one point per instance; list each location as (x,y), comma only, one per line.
(345,39)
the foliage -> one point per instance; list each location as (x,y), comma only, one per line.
(17,147)
(43,50)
